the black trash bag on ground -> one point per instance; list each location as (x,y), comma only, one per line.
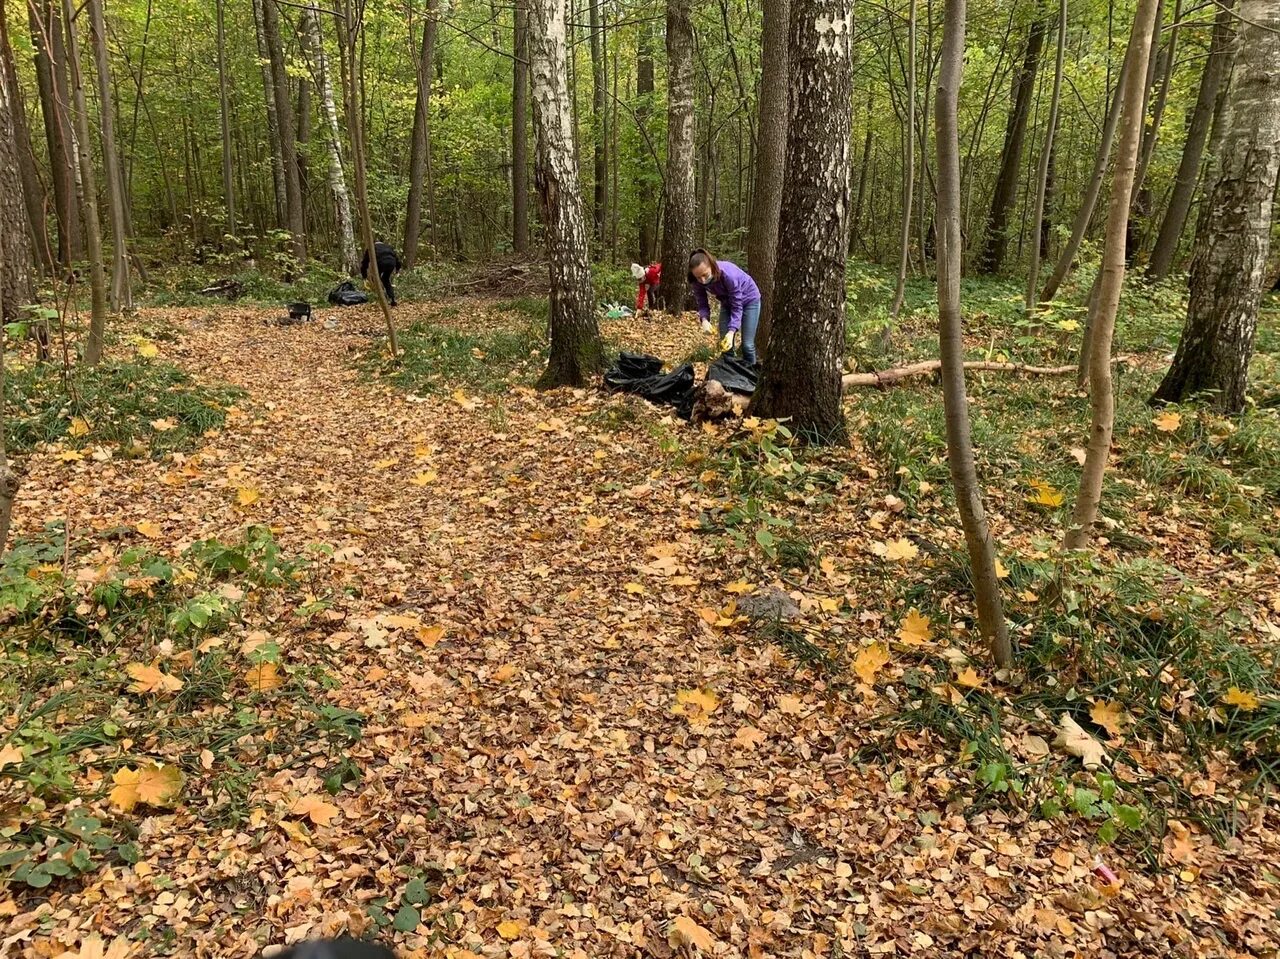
(734,374)
(346,294)
(641,375)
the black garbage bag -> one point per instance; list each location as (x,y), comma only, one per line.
(734,374)
(346,294)
(643,376)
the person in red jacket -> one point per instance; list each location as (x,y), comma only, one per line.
(648,280)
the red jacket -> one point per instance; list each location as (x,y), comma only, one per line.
(652,277)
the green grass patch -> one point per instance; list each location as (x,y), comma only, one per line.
(436,358)
(146,407)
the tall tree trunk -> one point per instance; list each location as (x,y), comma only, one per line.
(17,286)
(576,350)
(295,219)
(273,120)
(1015,133)
(304,139)
(599,127)
(1046,157)
(51,73)
(908,179)
(420,147)
(1151,133)
(350,27)
(88,195)
(121,286)
(1165,249)
(801,380)
(679,198)
(313,41)
(1085,212)
(520,132)
(1229,265)
(955,399)
(1103,315)
(8,477)
(645,205)
(855,219)
(771,158)
(224,112)
(33,196)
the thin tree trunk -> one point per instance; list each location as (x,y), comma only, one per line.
(312,39)
(295,220)
(909,179)
(855,220)
(16,281)
(1165,249)
(1085,212)
(576,350)
(599,126)
(33,195)
(88,195)
(646,207)
(46,37)
(1103,318)
(273,120)
(224,110)
(964,472)
(1006,189)
(351,42)
(1229,265)
(1046,156)
(420,148)
(1151,133)
(680,197)
(801,379)
(121,286)
(304,139)
(771,159)
(520,132)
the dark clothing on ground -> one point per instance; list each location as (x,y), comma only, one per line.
(388,263)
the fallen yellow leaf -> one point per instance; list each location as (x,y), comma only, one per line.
(264,677)
(247,496)
(424,478)
(79,426)
(315,808)
(1168,422)
(430,635)
(594,523)
(510,929)
(164,425)
(1110,716)
(915,629)
(149,529)
(690,933)
(150,679)
(869,661)
(900,550)
(1045,495)
(148,349)
(153,785)
(969,677)
(1241,699)
(504,673)
(739,588)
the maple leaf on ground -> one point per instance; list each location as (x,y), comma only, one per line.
(740,588)
(869,661)
(149,529)
(164,425)
(510,929)
(695,703)
(1241,699)
(1110,716)
(1167,422)
(749,737)
(969,677)
(430,635)
(594,523)
(264,677)
(315,808)
(687,932)
(1043,494)
(150,679)
(10,755)
(79,427)
(247,496)
(504,673)
(915,629)
(152,785)
(900,550)
(1075,741)
(791,705)
(464,401)
(424,478)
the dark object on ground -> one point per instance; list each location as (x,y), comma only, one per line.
(736,375)
(337,949)
(227,289)
(388,264)
(643,376)
(300,311)
(712,403)
(769,603)
(346,294)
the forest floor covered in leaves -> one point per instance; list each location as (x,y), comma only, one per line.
(422,653)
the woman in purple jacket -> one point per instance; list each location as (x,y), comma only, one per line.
(739,300)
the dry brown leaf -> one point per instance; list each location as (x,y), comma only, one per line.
(1110,716)
(316,808)
(689,933)
(151,679)
(1075,741)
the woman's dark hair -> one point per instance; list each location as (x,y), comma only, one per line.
(697,258)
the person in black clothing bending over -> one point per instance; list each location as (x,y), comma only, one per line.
(388,263)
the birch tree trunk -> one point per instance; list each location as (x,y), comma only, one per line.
(295,219)
(1165,249)
(420,146)
(88,195)
(224,111)
(576,351)
(680,194)
(801,379)
(771,158)
(314,40)
(520,132)
(908,178)
(955,398)
(1229,265)
(1103,319)
(1046,157)
(121,286)
(1006,189)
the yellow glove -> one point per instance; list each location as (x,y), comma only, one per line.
(726,344)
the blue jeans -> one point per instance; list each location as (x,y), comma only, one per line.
(750,321)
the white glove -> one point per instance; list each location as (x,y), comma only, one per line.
(706,326)
(726,344)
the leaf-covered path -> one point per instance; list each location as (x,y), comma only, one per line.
(558,742)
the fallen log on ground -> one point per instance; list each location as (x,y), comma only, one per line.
(885,378)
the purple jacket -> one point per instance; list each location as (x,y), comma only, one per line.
(734,288)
